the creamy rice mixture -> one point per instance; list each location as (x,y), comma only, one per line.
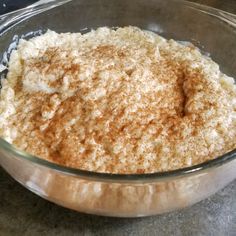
(117,101)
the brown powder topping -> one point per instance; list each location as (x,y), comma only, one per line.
(124,101)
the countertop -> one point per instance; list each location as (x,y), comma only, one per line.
(24,213)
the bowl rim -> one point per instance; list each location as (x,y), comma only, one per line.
(98,176)
(147,177)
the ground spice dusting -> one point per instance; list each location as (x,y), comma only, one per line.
(117,101)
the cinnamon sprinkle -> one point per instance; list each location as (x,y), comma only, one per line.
(117,101)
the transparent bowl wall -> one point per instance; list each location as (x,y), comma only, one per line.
(212,30)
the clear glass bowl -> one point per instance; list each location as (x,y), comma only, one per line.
(212,30)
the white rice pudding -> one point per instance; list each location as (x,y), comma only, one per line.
(117,101)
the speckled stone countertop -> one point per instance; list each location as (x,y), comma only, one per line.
(24,213)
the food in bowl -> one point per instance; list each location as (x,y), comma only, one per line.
(119,100)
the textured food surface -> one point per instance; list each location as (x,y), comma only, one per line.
(117,101)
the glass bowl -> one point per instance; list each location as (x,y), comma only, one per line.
(212,30)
